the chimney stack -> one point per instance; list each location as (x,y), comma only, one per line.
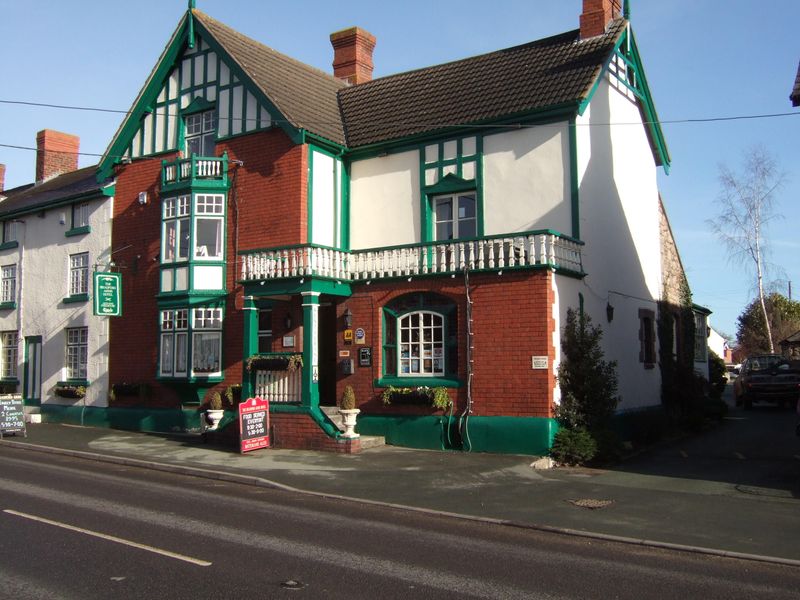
(56,153)
(352,54)
(596,16)
(2,178)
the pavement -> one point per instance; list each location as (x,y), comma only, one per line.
(635,502)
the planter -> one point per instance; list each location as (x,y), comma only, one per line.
(349,421)
(213,417)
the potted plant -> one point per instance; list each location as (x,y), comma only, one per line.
(440,398)
(214,412)
(348,410)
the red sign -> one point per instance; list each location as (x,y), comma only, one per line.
(254,424)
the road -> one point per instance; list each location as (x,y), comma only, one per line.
(72,528)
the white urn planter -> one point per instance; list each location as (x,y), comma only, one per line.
(213,417)
(349,421)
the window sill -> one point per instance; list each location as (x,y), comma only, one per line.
(649,365)
(8,305)
(11,380)
(395,381)
(74,383)
(8,245)
(78,231)
(76,298)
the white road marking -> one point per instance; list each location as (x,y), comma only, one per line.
(739,455)
(111,538)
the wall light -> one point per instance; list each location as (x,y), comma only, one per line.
(288,322)
(609,312)
(348,318)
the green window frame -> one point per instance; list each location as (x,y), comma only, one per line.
(10,354)
(190,342)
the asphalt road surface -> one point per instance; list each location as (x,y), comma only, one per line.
(72,528)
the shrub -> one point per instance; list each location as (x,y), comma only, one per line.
(716,375)
(441,398)
(233,394)
(573,447)
(348,400)
(214,401)
(70,391)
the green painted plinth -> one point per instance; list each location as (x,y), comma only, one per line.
(162,420)
(501,435)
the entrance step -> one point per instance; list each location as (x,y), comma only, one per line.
(33,414)
(367,441)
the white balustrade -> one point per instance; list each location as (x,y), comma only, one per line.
(279,386)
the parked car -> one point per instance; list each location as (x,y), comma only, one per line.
(732,372)
(767,378)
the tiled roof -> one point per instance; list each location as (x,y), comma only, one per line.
(69,185)
(305,96)
(795,97)
(534,76)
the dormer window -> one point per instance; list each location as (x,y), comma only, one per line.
(201,131)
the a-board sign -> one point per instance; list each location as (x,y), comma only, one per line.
(254,424)
(12,415)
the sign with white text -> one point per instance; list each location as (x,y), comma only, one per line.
(107,294)
(254,424)
(12,415)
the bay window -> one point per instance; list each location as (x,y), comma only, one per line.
(203,325)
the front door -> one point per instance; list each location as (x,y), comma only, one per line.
(327,354)
(32,378)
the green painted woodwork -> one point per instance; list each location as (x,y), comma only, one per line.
(8,305)
(78,231)
(9,245)
(310,391)
(502,435)
(297,285)
(32,363)
(75,298)
(395,381)
(250,343)
(573,178)
(310,193)
(166,420)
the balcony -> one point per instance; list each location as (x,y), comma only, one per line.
(200,171)
(526,250)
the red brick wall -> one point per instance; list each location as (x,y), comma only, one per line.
(56,153)
(267,197)
(512,321)
(300,432)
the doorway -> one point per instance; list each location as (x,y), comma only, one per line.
(327,354)
(32,378)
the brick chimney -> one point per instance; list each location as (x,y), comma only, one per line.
(352,54)
(56,153)
(2,178)
(596,16)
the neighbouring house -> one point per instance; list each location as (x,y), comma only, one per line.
(56,233)
(295,232)
(720,346)
(795,95)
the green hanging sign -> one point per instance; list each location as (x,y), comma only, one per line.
(107,294)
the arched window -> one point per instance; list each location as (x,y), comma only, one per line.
(420,337)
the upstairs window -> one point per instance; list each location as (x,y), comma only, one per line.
(647,338)
(455,217)
(79,274)
(8,288)
(700,338)
(201,131)
(209,209)
(80,215)
(9,231)
(177,222)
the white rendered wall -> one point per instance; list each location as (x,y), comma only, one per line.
(527,181)
(42,260)
(324,200)
(619,224)
(384,201)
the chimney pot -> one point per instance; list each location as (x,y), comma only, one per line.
(56,153)
(352,54)
(596,16)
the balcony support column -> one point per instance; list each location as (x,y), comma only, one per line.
(250,337)
(310,397)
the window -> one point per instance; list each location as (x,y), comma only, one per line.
(77,352)
(264,330)
(80,215)
(647,338)
(174,336)
(700,338)
(455,216)
(9,354)
(201,130)
(458,157)
(208,228)
(206,340)
(8,285)
(9,231)
(177,220)
(420,337)
(79,274)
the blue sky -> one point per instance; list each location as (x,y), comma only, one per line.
(703,59)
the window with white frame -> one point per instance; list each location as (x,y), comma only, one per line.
(421,344)
(209,210)
(9,231)
(700,338)
(176,229)
(455,216)
(174,342)
(206,341)
(264,330)
(77,352)
(10,354)
(8,283)
(79,273)
(201,131)
(80,215)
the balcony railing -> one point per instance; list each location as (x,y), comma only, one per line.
(282,387)
(195,170)
(533,249)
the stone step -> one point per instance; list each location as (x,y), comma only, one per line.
(332,412)
(372,441)
(367,441)
(33,414)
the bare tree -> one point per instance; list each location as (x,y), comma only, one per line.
(747,203)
